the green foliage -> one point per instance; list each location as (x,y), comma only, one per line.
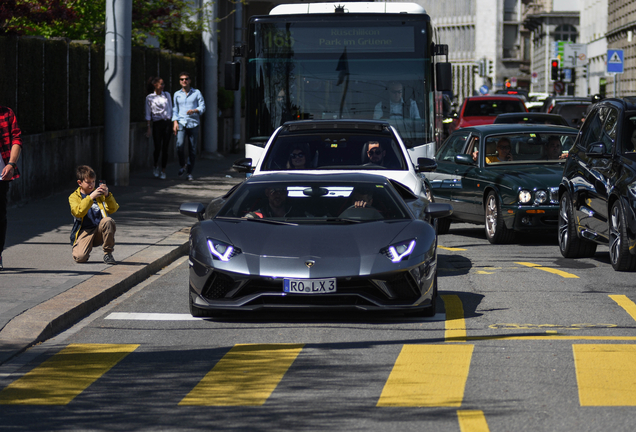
(88,17)
(188,43)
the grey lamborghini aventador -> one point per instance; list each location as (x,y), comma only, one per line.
(307,241)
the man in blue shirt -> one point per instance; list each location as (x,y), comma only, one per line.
(187,108)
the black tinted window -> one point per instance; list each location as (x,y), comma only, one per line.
(609,130)
(592,128)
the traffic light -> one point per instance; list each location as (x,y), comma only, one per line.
(507,83)
(554,69)
(584,74)
(482,67)
(491,68)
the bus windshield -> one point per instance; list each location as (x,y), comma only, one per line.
(362,67)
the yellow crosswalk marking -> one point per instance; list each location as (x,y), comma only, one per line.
(472,421)
(455,323)
(549,270)
(65,375)
(428,376)
(246,375)
(606,374)
(450,248)
(625,303)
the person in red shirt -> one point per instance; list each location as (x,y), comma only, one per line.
(10,149)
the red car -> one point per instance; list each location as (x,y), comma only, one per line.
(480,110)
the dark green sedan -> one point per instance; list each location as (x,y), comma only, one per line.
(505,176)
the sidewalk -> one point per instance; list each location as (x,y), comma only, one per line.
(43,291)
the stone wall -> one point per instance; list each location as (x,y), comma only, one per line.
(49,159)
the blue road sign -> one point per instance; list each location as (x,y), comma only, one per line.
(483,89)
(615,61)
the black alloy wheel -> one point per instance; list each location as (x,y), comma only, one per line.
(570,245)
(496,231)
(620,257)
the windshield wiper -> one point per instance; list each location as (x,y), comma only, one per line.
(337,219)
(271,221)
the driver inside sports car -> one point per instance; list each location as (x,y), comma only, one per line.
(276,205)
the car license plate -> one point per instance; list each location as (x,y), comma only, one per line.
(309,286)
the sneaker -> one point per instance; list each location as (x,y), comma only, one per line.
(181,172)
(155,172)
(162,176)
(108,258)
(190,177)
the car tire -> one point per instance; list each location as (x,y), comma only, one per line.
(198,312)
(443,225)
(496,231)
(620,257)
(570,245)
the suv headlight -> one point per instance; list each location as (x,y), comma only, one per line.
(396,252)
(525,196)
(222,251)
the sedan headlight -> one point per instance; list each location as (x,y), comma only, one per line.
(396,252)
(525,196)
(540,197)
(222,251)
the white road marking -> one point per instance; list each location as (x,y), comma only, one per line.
(151,316)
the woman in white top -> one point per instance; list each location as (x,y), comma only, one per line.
(159,118)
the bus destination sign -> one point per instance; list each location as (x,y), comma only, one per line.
(334,40)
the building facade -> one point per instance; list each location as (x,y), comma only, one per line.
(621,34)
(550,21)
(489,32)
(593,30)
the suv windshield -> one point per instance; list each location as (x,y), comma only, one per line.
(331,149)
(315,202)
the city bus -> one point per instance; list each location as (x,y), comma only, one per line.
(345,61)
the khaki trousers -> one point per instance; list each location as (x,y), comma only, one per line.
(87,239)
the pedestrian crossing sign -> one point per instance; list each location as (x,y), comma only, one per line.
(615,61)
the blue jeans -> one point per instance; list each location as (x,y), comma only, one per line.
(192,134)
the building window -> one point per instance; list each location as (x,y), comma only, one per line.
(565,32)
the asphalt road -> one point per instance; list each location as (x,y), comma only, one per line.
(523,340)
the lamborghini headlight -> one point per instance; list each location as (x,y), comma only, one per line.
(396,252)
(525,196)
(222,251)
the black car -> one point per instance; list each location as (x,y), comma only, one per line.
(551,101)
(597,195)
(313,241)
(572,112)
(505,176)
(531,118)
